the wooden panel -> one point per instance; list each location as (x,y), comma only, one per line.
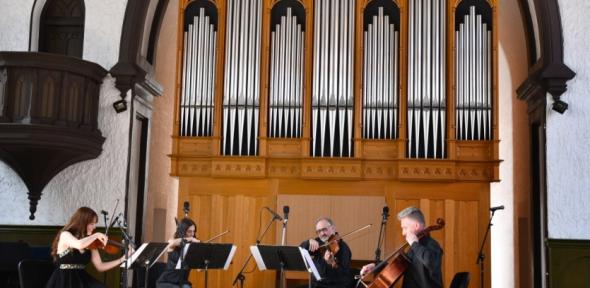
(240,214)
(348,212)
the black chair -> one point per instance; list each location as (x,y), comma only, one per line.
(34,273)
(12,253)
(460,280)
(155,271)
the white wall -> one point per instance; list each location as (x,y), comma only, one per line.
(102,31)
(512,67)
(15,16)
(102,28)
(568,135)
(94,183)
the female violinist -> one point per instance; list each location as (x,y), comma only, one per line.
(172,277)
(71,252)
(424,256)
(331,255)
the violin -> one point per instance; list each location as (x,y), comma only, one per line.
(332,244)
(397,262)
(112,247)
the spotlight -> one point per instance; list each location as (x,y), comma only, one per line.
(559,106)
(120,106)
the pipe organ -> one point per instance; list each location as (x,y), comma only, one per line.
(332,92)
(426,79)
(473,66)
(198,71)
(241,91)
(335,103)
(381,72)
(286,71)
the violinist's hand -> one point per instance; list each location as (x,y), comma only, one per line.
(313,245)
(195,240)
(411,238)
(367,269)
(130,250)
(329,257)
(101,237)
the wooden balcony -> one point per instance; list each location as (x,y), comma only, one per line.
(48,115)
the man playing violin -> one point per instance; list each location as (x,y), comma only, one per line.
(425,254)
(331,255)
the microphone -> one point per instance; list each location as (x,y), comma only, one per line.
(274,214)
(385,214)
(286,213)
(186,208)
(116,220)
(105,213)
(493,209)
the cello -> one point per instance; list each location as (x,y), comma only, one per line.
(394,265)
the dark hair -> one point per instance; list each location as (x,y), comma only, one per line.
(77,226)
(182,226)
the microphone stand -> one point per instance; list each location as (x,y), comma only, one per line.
(126,242)
(240,277)
(481,255)
(381,236)
(283,243)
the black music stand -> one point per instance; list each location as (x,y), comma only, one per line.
(207,256)
(145,257)
(284,258)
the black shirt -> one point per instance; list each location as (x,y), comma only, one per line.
(331,277)
(172,275)
(424,270)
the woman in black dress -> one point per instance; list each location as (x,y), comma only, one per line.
(71,254)
(172,277)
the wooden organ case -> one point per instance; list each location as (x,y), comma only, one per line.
(337,108)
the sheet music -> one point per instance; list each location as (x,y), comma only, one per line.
(230,257)
(310,264)
(140,251)
(134,256)
(257,257)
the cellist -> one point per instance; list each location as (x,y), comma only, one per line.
(425,254)
(332,261)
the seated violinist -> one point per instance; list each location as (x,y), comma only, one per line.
(73,248)
(425,254)
(178,278)
(333,260)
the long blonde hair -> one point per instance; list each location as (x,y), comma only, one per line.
(77,226)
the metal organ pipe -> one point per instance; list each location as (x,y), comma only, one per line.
(473,72)
(426,79)
(286,77)
(380,77)
(332,80)
(241,88)
(198,76)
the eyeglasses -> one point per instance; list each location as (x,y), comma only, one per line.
(325,229)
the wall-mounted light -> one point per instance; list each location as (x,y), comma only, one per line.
(120,106)
(559,106)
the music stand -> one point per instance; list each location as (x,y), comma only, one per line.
(145,256)
(284,258)
(208,256)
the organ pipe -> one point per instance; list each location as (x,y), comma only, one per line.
(241,103)
(426,90)
(332,101)
(473,78)
(198,76)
